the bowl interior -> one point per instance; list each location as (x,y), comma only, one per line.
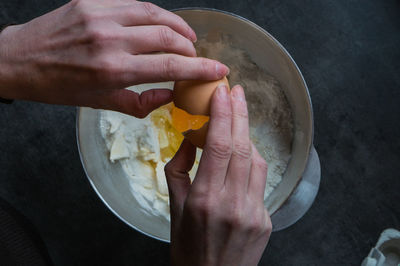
(108,179)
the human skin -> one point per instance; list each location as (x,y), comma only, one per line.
(220,219)
(86,52)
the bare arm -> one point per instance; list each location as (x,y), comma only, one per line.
(85,52)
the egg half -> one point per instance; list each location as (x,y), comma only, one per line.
(193,100)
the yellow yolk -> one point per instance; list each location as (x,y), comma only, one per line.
(184,121)
(171,123)
(169,138)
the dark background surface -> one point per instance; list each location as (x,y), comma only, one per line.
(349,53)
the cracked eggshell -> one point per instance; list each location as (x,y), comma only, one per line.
(194,96)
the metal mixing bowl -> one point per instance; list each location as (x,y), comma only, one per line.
(108,179)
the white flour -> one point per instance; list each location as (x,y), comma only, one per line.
(134,143)
(271,122)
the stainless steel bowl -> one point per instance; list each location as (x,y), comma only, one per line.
(109,181)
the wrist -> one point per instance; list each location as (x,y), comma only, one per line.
(10,87)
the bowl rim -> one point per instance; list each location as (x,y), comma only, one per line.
(287,54)
(252,24)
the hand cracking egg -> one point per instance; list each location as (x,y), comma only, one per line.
(192,100)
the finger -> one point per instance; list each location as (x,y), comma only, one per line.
(197,137)
(258,175)
(239,166)
(217,150)
(147,39)
(177,173)
(129,102)
(143,13)
(167,67)
(269,224)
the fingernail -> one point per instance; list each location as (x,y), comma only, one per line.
(192,35)
(238,93)
(195,52)
(222,91)
(221,70)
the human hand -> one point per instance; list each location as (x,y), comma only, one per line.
(220,219)
(85,52)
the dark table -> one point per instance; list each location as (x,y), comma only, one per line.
(349,53)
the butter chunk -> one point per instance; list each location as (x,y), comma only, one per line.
(163,139)
(119,149)
(162,186)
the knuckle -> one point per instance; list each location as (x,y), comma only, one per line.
(136,112)
(150,9)
(93,30)
(169,67)
(166,36)
(206,67)
(97,34)
(202,206)
(235,220)
(108,65)
(257,226)
(224,116)
(242,149)
(260,163)
(220,149)
(241,115)
(140,113)
(268,227)
(109,69)
(169,169)
(85,15)
(75,2)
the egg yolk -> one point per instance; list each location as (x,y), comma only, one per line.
(171,123)
(169,138)
(184,121)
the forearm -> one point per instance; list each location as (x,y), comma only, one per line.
(84,54)
(11,85)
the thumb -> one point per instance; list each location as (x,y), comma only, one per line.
(177,173)
(132,103)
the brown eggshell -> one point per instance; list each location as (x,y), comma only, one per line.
(194,96)
(198,137)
